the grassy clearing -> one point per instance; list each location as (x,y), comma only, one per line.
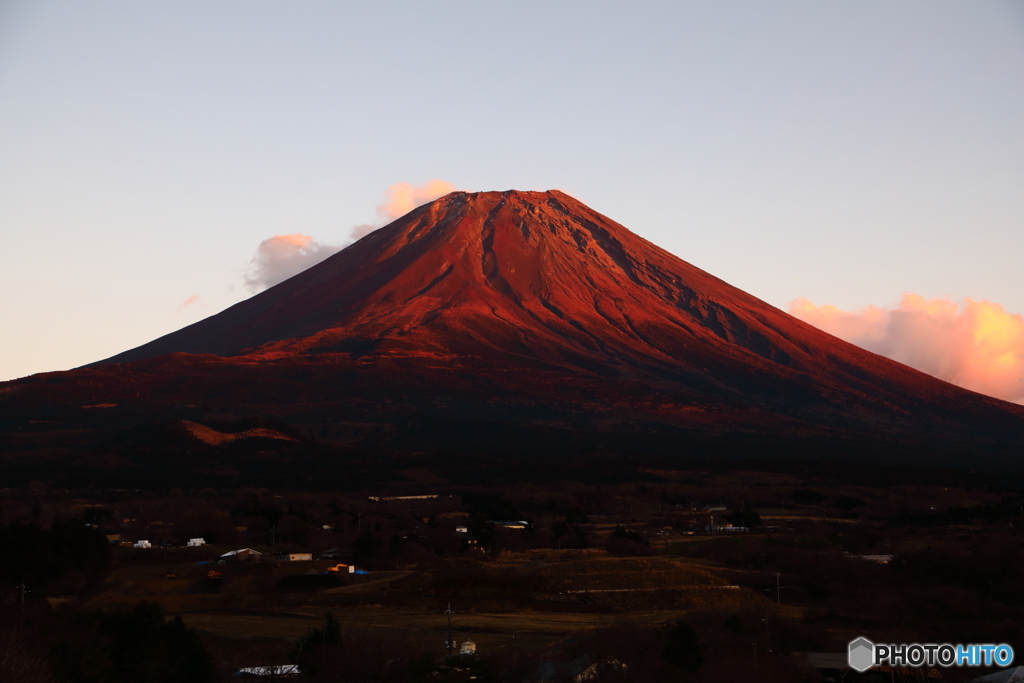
(630,572)
(553,602)
(491,631)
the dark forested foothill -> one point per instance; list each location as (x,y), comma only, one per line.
(1007,509)
(808,497)
(130,647)
(38,645)
(491,506)
(37,557)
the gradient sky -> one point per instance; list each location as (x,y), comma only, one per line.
(843,152)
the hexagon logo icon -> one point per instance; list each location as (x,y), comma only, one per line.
(862,654)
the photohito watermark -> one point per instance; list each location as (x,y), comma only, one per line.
(864,654)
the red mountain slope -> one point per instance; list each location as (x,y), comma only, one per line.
(540,279)
(522,307)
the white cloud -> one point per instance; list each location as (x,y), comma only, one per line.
(400,199)
(976,344)
(282,256)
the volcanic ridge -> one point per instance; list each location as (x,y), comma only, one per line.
(529,314)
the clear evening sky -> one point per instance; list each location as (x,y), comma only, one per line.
(843,153)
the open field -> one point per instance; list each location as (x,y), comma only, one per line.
(527,601)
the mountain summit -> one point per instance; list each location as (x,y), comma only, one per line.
(535,312)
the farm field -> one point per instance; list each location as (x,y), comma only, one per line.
(518,601)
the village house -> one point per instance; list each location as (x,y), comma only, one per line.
(293,557)
(510,524)
(241,555)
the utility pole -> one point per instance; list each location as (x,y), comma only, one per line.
(23,589)
(450,643)
(778,589)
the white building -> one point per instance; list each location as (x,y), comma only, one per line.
(293,557)
(195,542)
(880,559)
(241,555)
(510,523)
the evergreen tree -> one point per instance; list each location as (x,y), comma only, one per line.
(316,650)
(683,647)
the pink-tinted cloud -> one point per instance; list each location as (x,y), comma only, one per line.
(188,302)
(974,344)
(280,257)
(400,199)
